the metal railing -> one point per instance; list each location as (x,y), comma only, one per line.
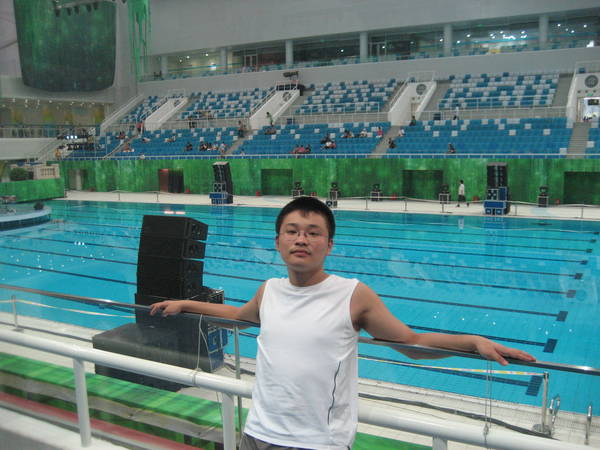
(440,431)
(496,113)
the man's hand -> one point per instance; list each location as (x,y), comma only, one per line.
(496,352)
(168,307)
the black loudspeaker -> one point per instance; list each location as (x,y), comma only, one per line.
(222,174)
(497,175)
(219,187)
(543,190)
(171,247)
(169,277)
(175,227)
(297,185)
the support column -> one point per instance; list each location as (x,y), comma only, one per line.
(447,39)
(364,46)
(223,62)
(289,52)
(164,66)
(543,31)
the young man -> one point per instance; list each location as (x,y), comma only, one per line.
(306,389)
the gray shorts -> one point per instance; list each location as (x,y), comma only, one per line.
(251,443)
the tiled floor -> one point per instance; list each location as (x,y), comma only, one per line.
(353,204)
(568,427)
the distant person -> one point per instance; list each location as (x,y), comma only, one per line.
(363,133)
(461,194)
(306,388)
(413,121)
(391,143)
(189,147)
(401,132)
(270,118)
(379,132)
(451,148)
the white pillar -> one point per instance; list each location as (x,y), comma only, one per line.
(164,66)
(289,52)
(543,31)
(364,46)
(447,39)
(223,61)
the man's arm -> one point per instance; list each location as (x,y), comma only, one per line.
(370,313)
(249,312)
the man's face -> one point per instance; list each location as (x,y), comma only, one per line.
(303,241)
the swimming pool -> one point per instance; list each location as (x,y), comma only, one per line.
(527,283)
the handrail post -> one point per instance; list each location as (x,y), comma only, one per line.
(15,317)
(83,414)
(588,425)
(543,426)
(238,375)
(439,443)
(228,422)
(516,205)
(582,207)
(405,204)
(367,203)
(157,194)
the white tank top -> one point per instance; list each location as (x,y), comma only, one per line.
(306,388)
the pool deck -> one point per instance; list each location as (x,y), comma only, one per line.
(518,209)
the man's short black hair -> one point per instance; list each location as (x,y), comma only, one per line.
(307,205)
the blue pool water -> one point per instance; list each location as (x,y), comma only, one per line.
(527,283)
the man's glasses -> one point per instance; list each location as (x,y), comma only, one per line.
(311,236)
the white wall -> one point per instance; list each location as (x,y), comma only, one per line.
(182,25)
(562,60)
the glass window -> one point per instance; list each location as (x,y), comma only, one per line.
(496,38)
(326,49)
(395,45)
(574,32)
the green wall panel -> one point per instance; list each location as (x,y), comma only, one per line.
(66,53)
(354,176)
(30,190)
(582,187)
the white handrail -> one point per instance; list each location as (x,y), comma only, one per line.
(368,414)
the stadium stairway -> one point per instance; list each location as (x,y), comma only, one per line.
(382,146)
(296,104)
(562,90)
(579,139)
(237,143)
(440,91)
